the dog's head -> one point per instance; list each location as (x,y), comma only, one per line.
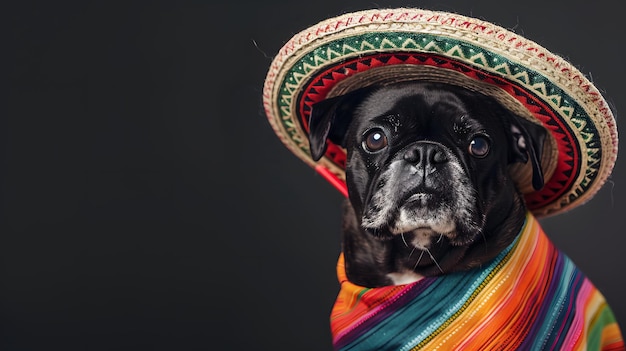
(428,161)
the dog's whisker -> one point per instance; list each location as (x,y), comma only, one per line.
(419,259)
(484,240)
(434,260)
(411,253)
(440,237)
(404,240)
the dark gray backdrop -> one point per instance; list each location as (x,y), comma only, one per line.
(147,205)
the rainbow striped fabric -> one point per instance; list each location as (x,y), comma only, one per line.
(530,297)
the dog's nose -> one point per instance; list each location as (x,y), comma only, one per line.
(427,153)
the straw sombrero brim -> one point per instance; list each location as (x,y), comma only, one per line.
(387,45)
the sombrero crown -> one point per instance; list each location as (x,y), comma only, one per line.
(381,46)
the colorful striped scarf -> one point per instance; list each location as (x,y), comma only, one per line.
(530,297)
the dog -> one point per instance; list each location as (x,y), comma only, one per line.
(430,194)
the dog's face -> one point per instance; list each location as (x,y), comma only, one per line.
(428,164)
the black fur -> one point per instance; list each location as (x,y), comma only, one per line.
(424,167)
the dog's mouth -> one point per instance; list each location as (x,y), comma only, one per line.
(426,219)
(426,201)
(419,199)
(424,210)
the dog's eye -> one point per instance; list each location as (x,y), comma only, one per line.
(374,140)
(479,146)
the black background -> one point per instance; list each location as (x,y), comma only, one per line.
(147,204)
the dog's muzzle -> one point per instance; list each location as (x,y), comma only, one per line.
(423,188)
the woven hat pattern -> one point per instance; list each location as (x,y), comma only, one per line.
(315,62)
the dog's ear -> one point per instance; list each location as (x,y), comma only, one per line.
(527,144)
(330,119)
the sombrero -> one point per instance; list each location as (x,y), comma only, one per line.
(381,46)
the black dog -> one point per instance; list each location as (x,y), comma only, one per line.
(427,176)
